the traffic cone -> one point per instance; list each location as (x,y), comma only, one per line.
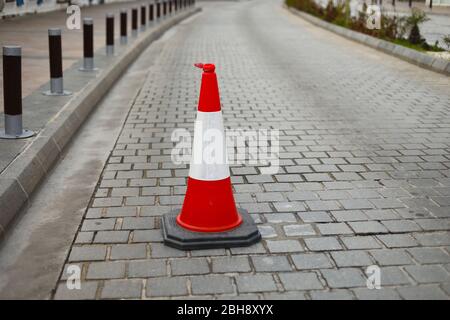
(209,217)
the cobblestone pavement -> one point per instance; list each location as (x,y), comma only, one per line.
(364,177)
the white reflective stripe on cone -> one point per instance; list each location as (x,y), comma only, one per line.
(209,156)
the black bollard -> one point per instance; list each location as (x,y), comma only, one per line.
(109,34)
(123,27)
(158,10)
(164,8)
(175,5)
(170,7)
(55,62)
(12,94)
(151,13)
(134,22)
(143,18)
(88,45)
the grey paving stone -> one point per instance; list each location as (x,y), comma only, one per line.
(255,283)
(318,216)
(322,205)
(87,291)
(295,230)
(344,278)
(388,257)
(147,236)
(271,263)
(349,215)
(105,270)
(397,240)
(230,264)
(134,223)
(147,268)
(360,242)
(376,294)
(381,214)
(334,228)
(277,246)
(307,261)
(189,266)
(433,238)
(429,292)
(111,237)
(88,253)
(280,217)
(267,232)
(256,248)
(166,287)
(367,227)
(128,251)
(397,226)
(429,255)
(84,237)
(332,295)
(211,284)
(159,250)
(98,224)
(114,212)
(208,252)
(393,276)
(323,244)
(289,206)
(428,273)
(352,258)
(122,289)
(300,281)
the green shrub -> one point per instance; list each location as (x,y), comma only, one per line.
(393,28)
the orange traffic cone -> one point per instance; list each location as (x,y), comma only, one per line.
(209,217)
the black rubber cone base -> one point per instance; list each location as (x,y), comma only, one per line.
(175,236)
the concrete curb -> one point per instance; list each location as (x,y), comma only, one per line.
(27,170)
(412,56)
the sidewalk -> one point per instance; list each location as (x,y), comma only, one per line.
(31,32)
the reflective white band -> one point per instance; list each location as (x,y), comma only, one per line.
(209,152)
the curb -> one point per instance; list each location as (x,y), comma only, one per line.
(27,170)
(412,56)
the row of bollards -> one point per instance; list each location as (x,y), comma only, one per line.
(12,59)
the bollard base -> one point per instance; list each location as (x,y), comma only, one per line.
(25,134)
(50,93)
(88,65)
(177,237)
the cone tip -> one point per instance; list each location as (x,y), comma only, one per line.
(207,67)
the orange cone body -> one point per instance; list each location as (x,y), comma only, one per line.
(209,204)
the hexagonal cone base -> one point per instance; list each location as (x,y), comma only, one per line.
(177,237)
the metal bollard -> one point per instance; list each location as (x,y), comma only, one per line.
(151,13)
(109,34)
(170,7)
(134,22)
(123,27)
(164,8)
(12,93)
(143,18)
(55,61)
(175,5)
(88,45)
(158,10)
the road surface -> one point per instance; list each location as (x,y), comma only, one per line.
(364,174)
